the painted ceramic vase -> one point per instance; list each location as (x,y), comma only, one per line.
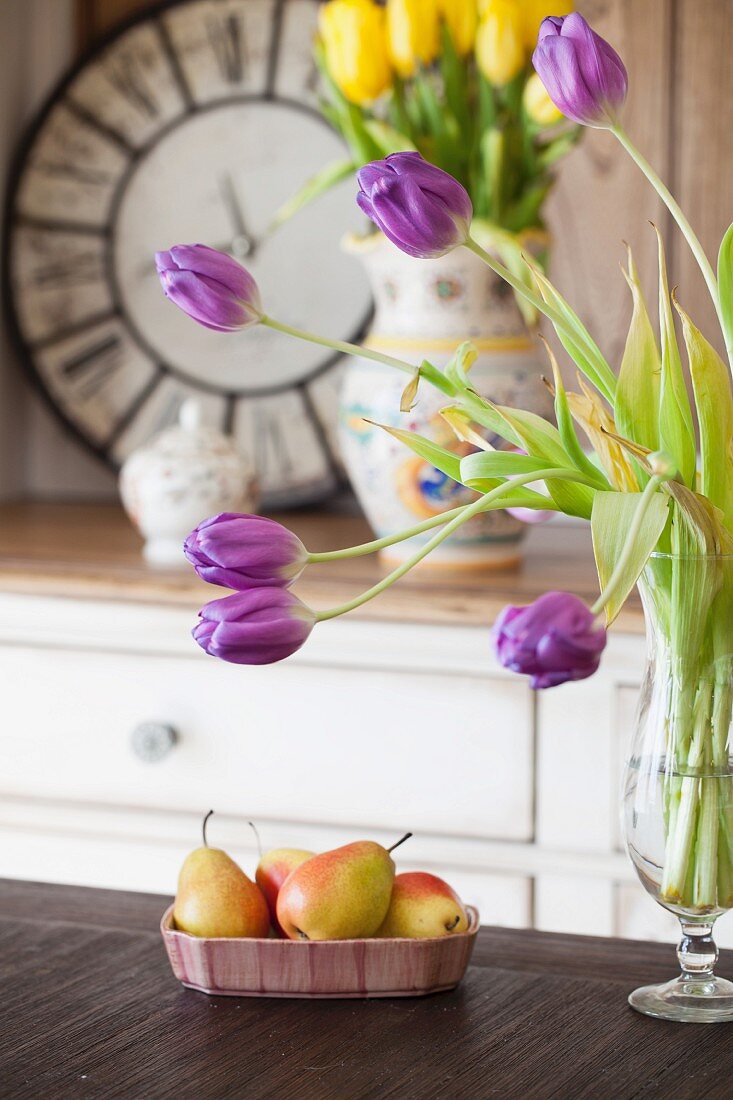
(424,309)
(183,475)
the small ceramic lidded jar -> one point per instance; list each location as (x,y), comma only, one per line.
(182,476)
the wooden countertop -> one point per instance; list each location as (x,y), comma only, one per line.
(91,1009)
(91,551)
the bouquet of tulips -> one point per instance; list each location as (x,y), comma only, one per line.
(450,79)
(640,485)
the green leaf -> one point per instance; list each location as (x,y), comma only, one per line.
(446,461)
(489,464)
(711,385)
(636,410)
(460,364)
(566,428)
(725,284)
(581,347)
(676,427)
(610,520)
(326,178)
(541,439)
(508,247)
(389,139)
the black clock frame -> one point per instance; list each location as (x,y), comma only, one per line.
(24,351)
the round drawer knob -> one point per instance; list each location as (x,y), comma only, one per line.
(152,741)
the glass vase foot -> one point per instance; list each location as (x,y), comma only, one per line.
(687,999)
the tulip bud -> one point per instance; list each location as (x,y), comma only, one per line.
(538,105)
(534,11)
(354,37)
(257,627)
(242,551)
(412,34)
(460,17)
(424,211)
(585,77)
(210,287)
(500,51)
(553,640)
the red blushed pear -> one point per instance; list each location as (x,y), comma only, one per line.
(272,870)
(215,898)
(423,905)
(339,895)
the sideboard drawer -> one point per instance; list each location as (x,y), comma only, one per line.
(364,746)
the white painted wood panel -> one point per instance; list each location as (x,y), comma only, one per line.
(352,745)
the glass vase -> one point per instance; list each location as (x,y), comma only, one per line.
(678,780)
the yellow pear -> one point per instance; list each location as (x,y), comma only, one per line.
(272,871)
(216,899)
(423,905)
(338,895)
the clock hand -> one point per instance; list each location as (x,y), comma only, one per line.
(245,244)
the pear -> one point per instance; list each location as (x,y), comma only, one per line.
(423,905)
(338,895)
(216,899)
(272,870)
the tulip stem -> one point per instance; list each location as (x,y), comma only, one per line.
(485,502)
(679,216)
(388,540)
(431,373)
(605,379)
(618,572)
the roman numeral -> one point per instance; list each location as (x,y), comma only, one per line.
(227,40)
(102,354)
(79,270)
(126,78)
(90,177)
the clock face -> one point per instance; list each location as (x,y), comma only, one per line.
(195,123)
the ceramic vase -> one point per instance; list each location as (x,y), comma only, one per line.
(424,309)
(182,476)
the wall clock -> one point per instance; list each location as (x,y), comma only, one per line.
(193,122)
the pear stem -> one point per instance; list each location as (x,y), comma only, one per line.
(203,827)
(254,829)
(400,841)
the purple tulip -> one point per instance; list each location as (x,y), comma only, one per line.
(256,627)
(585,78)
(210,287)
(419,207)
(241,552)
(553,640)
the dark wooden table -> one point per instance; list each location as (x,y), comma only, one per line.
(91,1009)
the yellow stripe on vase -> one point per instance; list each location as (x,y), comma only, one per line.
(449,344)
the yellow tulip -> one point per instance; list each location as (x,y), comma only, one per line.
(354,37)
(534,11)
(499,41)
(413,34)
(461,17)
(538,104)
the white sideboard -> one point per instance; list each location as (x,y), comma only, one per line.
(119,733)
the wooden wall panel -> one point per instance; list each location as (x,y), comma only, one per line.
(601,198)
(702,142)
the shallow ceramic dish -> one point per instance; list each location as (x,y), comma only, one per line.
(329,968)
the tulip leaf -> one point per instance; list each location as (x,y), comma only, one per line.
(611,518)
(508,247)
(725,284)
(566,428)
(409,394)
(488,464)
(446,461)
(636,409)
(676,427)
(461,424)
(389,139)
(542,440)
(326,178)
(460,364)
(581,347)
(711,385)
